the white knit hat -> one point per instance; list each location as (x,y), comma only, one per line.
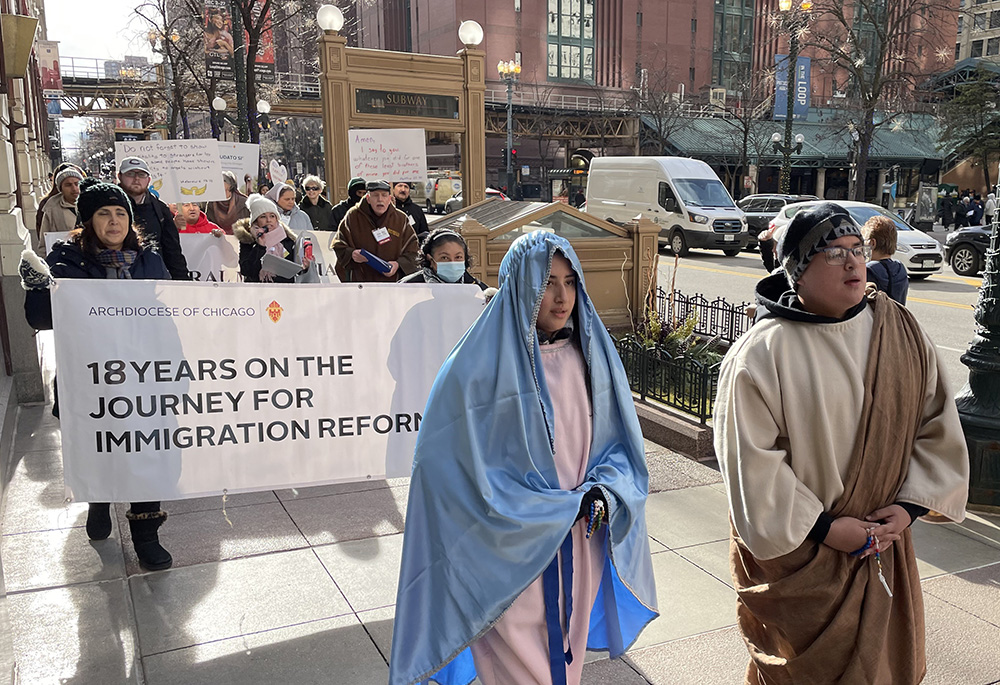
(68,172)
(258,205)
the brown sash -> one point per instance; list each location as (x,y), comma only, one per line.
(817,615)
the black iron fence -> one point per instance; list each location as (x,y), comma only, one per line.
(681,383)
(715,318)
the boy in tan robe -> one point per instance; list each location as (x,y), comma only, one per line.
(835,429)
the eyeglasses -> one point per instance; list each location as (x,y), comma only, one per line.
(838,255)
(135,174)
(311,188)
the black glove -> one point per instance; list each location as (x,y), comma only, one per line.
(592,495)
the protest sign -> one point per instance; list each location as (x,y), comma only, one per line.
(217,259)
(243,159)
(245,387)
(393,154)
(180,170)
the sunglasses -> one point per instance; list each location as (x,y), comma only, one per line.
(310,188)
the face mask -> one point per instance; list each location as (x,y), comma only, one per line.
(450,272)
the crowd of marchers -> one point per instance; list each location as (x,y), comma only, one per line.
(124,231)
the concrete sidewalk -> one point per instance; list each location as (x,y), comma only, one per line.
(300,588)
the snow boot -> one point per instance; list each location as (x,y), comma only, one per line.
(145,540)
(99,521)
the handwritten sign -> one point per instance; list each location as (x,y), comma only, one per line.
(241,159)
(393,154)
(180,170)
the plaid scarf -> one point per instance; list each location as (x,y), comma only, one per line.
(119,260)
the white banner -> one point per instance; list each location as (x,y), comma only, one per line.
(392,154)
(242,159)
(180,170)
(170,390)
(218,259)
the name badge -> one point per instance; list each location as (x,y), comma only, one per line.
(413,222)
(381,235)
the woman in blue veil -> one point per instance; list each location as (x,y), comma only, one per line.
(529,443)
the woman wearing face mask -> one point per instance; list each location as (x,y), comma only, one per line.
(264,233)
(107,246)
(444,258)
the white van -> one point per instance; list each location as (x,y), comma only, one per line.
(682,195)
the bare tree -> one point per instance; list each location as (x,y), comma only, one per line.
(657,97)
(747,119)
(878,47)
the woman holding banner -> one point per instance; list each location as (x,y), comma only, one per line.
(525,540)
(108,246)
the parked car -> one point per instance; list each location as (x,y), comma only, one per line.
(455,203)
(683,196)
(760,209)
(441,187)
(921,254)
(965,249)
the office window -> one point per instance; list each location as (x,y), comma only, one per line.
(958,51)
(993,47)
(980,24)
(691,74)
(571,40)
(977,49)
(694,26)
(995,19)
(961,22)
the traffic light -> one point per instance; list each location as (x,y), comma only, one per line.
(513,155)
(503,155)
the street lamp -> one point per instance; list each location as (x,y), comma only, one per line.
(470,33)
(264,108)
(793,19)
(330,18)
(979,401)
(218,116)
(509,72)
(796,149)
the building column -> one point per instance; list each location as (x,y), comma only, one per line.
(17,336)
(335,93)
(821,183)
(474,138)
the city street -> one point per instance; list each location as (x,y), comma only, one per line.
(942,303)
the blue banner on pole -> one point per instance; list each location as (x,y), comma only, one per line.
(801,85)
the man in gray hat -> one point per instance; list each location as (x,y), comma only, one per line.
(153,216)
(382,230)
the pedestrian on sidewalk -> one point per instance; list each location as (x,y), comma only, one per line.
(835,428)
(53,191)
(405,204)
(108,246)
(227,212)
(283,195)
(888,274)
(60,214)
(444,258)
(528,445)
(154,218)
(265,233)
(375,226)
(318,208)
(989,209)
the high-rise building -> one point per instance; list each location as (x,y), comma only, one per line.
(978,30)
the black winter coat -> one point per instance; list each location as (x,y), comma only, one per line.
(158,225)
(321,213)
(251,252)
(416,217)
(67,260)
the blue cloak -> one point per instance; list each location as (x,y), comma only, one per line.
(486,515)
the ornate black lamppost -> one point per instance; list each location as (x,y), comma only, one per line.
(979,401)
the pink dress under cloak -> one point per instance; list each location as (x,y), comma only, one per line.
(515,651)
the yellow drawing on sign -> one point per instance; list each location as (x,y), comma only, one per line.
(157,184)
(194,190)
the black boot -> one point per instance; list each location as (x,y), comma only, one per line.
(99,521)
(143,526)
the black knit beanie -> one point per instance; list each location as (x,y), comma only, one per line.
(809,231)
(95,194)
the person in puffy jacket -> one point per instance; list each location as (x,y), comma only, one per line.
(264,233)
(108,246)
